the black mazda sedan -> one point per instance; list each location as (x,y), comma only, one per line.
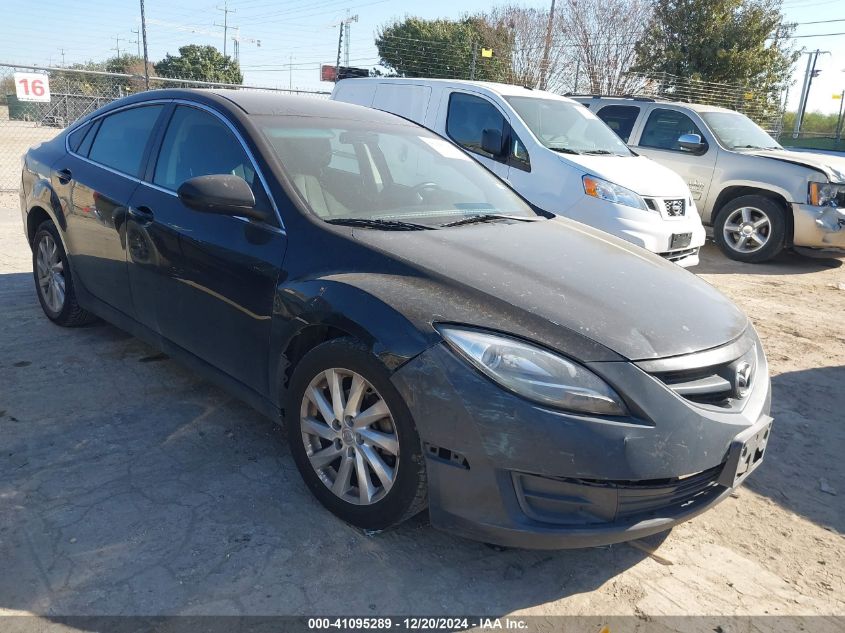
(427,337)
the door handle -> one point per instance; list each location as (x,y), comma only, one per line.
(64,176)
(142,213)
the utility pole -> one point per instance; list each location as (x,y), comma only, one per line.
(137,40)
(544,68)
(474,61)
(339,44)
(809,74)
(290,72)
(347,36)
(117,41)
(144,39)
(839,118)
(226,11)
(62,51)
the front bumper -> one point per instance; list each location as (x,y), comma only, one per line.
(651,230)
(818,227)
(503,470)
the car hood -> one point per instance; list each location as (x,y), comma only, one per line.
(637,173)
(832,166)
(565,275)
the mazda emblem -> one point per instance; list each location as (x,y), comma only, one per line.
(742,380)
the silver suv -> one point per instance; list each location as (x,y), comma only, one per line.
(758,197)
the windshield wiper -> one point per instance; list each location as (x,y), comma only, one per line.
(380,223)
(753,147)
(564,150)
(488,217)
(598,151)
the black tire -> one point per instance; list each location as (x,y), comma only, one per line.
(408,494)
(775,231)
(70,313)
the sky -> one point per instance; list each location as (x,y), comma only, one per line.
(296,36)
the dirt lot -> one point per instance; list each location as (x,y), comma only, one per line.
(129,486)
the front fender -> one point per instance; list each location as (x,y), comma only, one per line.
(361,305)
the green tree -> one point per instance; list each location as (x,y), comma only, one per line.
(202,63)
(727,41)
(415,47)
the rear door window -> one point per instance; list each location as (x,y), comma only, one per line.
(122,138)
(620,119)
(468,116)
(664,127)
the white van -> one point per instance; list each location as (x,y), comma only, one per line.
(553,151)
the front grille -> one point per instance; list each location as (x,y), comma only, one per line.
(721,378)
(675,208)
(638,498)
(575,501)
(674,256)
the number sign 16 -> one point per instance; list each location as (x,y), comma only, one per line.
(32,87)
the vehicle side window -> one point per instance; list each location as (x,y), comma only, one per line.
(620,119)
(664,127)
(85,146)
(74,139)
(197,143)
(468,116)
(122,138)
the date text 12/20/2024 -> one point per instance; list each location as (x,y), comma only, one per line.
(417,624)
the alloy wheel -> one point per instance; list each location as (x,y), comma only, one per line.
(747,229)
(349,435)
(51,274)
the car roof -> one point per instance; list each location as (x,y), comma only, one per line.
(501,89)
(271,103)
(658,101)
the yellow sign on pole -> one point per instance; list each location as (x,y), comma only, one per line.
(487,52)
(837,96)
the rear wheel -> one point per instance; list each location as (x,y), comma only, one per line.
(751,229)
(53,280)
(352,437)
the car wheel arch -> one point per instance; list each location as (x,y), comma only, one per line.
(733,192)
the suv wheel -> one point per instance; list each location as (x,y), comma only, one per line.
(751,229)
(352,436)
(53,281)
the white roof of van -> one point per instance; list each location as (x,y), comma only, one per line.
(505,90)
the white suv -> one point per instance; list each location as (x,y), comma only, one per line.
(759,197)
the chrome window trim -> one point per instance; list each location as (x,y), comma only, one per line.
(193,104)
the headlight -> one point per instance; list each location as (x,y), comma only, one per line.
(534,373)
(826,194)
(605,190)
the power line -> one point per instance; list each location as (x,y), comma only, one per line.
(226,11)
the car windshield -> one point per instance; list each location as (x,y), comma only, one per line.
(567,127)
(386,175)
(737,131)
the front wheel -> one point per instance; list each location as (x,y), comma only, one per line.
(751,229)
(352,436)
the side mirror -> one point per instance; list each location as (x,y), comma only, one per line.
(491,142)
(691,142)
(223,194)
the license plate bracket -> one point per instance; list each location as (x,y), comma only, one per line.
(746,453)
(680,240)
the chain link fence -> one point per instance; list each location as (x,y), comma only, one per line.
(73,94)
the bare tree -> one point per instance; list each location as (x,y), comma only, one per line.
(603,35)
(527,27)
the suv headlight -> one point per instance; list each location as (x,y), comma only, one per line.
(534,373)
(826,194)
(606,190)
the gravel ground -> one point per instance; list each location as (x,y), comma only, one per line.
(129,486)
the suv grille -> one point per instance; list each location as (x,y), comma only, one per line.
(675,208)
(674,256)
(722,377)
